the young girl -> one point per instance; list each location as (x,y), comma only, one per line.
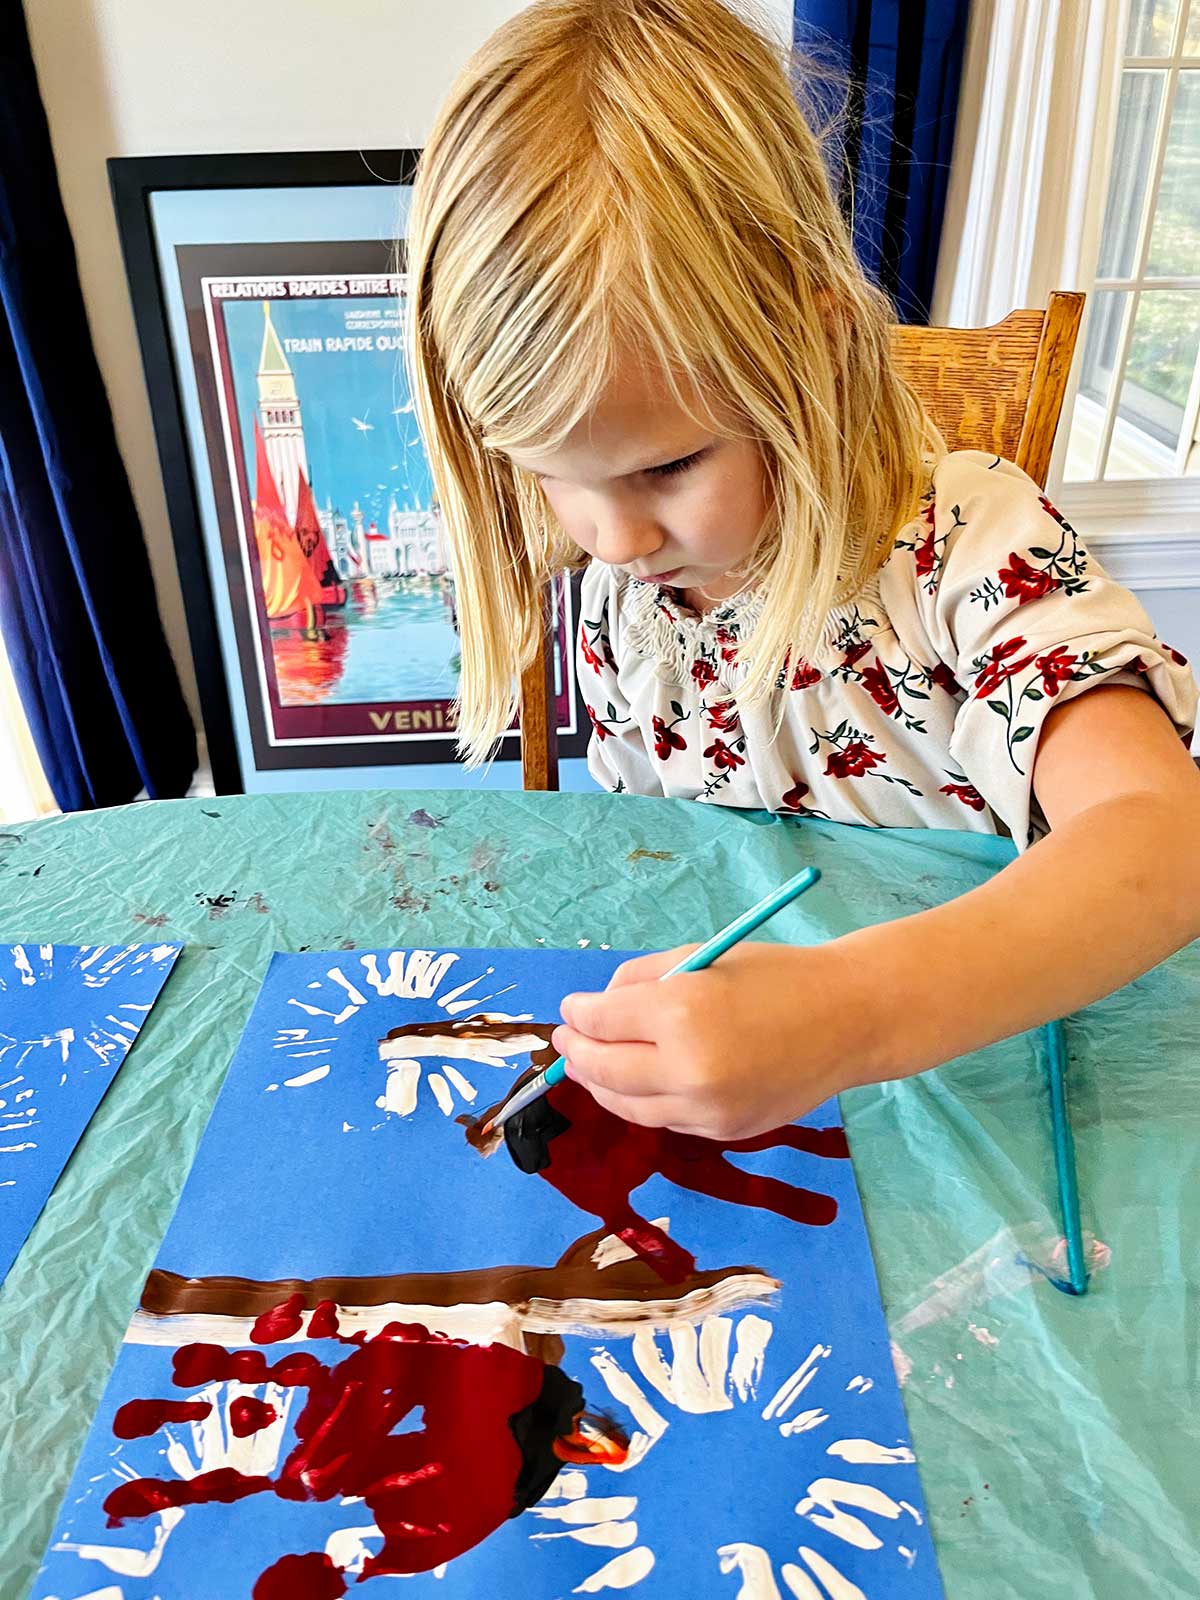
(639,335)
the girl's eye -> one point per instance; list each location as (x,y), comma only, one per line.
(682,465)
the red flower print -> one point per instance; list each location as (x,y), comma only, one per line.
(945,679)
(666,739)
(879,686)
(928,516)
(998,666)
(855,652)
(601,731)
(1052,511)
(722,756)
(805,676)
(926,553)
(722,717)
(703,672)
(967,793)
(727,640)
(853,761)
(1023,582)
(1056,668)
(1176,656)
(793,800)
(588,654)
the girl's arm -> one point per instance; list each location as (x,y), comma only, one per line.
(770,1031)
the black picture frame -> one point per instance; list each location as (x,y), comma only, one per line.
(134,181)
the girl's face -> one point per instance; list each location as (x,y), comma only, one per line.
(638,484)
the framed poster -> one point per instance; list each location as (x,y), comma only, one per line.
(269,293)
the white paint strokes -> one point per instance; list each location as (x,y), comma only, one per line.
(612,1508)
(793,1387)
(484,1052)
(753,1565)
(213,1441)
(411,975)
(15,1149)
(912,1511)
(571,1484)
(347,1547)
(464,1086)
(21,962)
(125,1560)
(336,1017)
(399,1095)
(650,1424)
(860,1384)
(609,1535)
(446,1001)
(866,1453)
(909,1555)
(753,1336)
(441,1093)
(983,1335)
(621,1573)
(355,996)
(803,1422)
(694,1378)
(824,1502)
(314,1075)
(799,1583)
(837,1587)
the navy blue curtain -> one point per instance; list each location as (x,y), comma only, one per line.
(903,60)
(78,615)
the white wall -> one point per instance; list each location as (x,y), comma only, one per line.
(178,77)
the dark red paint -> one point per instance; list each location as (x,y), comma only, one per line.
(247,1415)
(310,1577)
(142,1497)
(599,1160)
(323,1324)
(196,1364)
(419,1425)
(281,1322)
(138,1418)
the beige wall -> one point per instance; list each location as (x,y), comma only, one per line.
(161,77)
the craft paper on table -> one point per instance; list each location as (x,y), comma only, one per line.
(373,1346)
(69,1015)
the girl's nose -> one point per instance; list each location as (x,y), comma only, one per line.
(623,537)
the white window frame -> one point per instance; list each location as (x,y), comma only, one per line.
(1158,516)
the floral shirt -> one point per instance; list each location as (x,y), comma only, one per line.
(923,706)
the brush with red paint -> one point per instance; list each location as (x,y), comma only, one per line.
(703,957)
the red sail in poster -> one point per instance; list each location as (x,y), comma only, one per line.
(291,592)
(312,542)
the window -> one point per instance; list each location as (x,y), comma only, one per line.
(1135,414)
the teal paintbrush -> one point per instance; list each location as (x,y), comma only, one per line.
(704,957)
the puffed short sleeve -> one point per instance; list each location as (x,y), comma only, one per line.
(1010,599)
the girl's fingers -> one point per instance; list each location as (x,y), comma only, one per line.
(647,1110)
(622,1069)
(629,1013)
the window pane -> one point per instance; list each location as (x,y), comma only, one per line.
(1151,27)
(1191,43)
(1133,154)
(1175,239)
(1156,385)
(1101,345)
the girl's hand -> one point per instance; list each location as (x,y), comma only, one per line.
(752,1042)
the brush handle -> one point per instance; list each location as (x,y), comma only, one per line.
(1064,1157)
(747,922)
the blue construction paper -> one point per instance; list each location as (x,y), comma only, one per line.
(767,1444)
(69,1015)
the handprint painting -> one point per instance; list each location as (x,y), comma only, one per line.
(583,1359)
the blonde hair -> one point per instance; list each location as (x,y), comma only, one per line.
(638,174)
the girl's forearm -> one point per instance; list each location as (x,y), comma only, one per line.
(1100,900)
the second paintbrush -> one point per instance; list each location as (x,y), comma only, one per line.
(703,957)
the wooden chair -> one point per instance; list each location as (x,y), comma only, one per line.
(999,389)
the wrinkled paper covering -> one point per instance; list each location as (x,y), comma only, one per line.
(1057,1437)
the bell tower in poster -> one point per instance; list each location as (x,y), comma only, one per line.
(279,409)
